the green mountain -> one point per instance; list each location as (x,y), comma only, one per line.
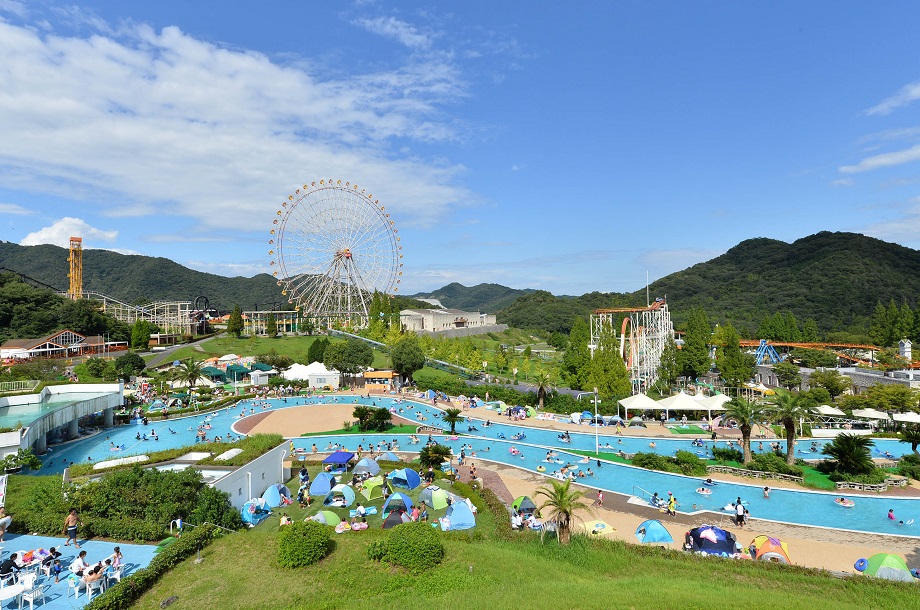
(486,298)
(131,278)
(835,278)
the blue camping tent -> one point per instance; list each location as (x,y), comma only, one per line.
(255,511)
(406,478)
(652,531)
(397,499)
(712,541)
(322,484)
(431,394)
(340,491)
(459,517)
(389,456)
(339,461)
(275,495)
(367,466)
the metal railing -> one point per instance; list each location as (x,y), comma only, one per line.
(18,386)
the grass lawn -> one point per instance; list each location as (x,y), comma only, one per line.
(483,570)
(294,347)
(690,429)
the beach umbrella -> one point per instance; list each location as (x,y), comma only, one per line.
(653,531)
(887,566)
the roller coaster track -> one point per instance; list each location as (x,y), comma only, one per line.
(819,345)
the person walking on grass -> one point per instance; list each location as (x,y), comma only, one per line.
(71,521)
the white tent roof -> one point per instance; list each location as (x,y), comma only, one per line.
(639,402)
(913,418)
(870,414)
(228,358)
(829,410)
(318,368)
(301,371)
(680,402)
(714,403)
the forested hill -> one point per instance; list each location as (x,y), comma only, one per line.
(835,278)
(133,277)
(485,298)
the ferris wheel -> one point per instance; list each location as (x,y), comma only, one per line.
(334,245)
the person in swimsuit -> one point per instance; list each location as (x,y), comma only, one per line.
(71,521)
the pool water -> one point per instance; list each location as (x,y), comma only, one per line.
(24,414)
(790,506)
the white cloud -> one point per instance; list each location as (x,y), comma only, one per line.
(162,123)
(660,263)
(14,7)
(246,269)
(396,29)
(908,93)
(904,229)
(898,157)
(843,182)
(12,208)
(60,232)
(518,167)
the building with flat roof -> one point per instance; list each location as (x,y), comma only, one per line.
(444,320)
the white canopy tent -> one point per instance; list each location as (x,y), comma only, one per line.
(829,411)
(715,402)
(684,402)
(315,373)
(637,402)
(870,414)
(910,418)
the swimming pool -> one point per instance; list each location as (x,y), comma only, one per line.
(23,410)
(790,506)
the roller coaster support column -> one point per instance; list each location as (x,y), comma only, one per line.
(73,429)
(108,417)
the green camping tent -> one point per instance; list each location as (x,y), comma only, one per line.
(373,488)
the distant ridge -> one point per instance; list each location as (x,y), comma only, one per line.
(486,298)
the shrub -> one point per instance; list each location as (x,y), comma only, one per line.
(123,594)
(376,550)
(302,544)
(909,466)
(683,463)
(689,464)
(727,454)
(772,462)
(414,546)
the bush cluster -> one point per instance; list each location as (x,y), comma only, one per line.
(132,504)
(123,594)
(727,454)
(302,544)
(683,462)
(413,546)
(909,466)
(554,403)
(773,462)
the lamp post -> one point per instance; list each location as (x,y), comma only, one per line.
(597,449)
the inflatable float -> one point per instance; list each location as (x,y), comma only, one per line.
(704,491)
(541,468)
(844,502)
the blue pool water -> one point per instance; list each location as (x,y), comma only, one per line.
(791,506)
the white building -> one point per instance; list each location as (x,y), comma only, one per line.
(315,374)
(439,320)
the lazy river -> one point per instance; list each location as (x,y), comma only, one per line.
(789,506)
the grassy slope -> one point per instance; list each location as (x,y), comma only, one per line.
(240,571)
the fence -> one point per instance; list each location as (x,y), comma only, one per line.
(757,474)
(18,386)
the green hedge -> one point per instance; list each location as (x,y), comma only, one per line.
(683,462)
(773,462)
(727,454)
(414,546)
(122,595)
(303,543)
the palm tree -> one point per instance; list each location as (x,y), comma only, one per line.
(453,416)
(544,385)
(190,372)
(910,434)
(852,452)
(562,505)
(363,414)
(788,408)
(746,414)
(434,455)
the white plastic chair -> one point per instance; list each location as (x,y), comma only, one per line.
(117,573)
(27,579)
(94,587)
(32,595)
(74,586)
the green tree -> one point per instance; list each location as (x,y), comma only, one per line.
(381,419)
(140,334)
(544,385)
(607,371)
(271,325)
(317,350)
(789,409)
(746,413)
(349,357)
(669,366)
(810,332)
(787,374)
(558,340)
(911,436)
(577,358)
(275,360)
(694,355)
(852,452)
(190,372)
(407,356)
(501,360)
(235,323)
(831,380)
(363,414)
(735,367)
(95,366)
(452,416)
(562,504)
(432,456)
(129,365)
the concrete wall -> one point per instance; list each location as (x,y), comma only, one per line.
(251,480)
(65,415)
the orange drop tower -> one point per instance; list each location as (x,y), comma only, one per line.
(76,268)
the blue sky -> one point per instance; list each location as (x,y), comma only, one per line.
(565,146)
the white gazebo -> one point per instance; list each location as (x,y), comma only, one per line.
(910,417)
(685,402)
(637,402)
(870,414)
(315,374)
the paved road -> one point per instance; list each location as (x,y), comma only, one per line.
(164,356)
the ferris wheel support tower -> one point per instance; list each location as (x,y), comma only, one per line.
(643,334)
